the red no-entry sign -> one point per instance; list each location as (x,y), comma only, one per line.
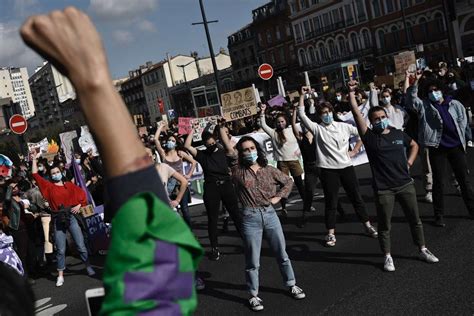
(18,124)
(265,71)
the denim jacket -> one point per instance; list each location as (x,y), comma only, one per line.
(431,124)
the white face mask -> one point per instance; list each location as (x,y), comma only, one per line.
(386,100)
(338,98)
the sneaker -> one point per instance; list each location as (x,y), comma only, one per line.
(297,293)
(215,254)
(388,265)
(439,221)
(90,271)
(371,231)
(429,197)
(470,144)
(427,256)
(200,285)
(60,281)
(330,240)
(256,303)
(312,209)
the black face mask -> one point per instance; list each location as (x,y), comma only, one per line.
(211,148)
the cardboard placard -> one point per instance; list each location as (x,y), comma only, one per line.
(402,61)
(184,125)
(199,124)
(87,210)
(238,104)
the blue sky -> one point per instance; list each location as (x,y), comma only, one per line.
(134,31)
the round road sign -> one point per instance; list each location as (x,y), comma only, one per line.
(18,124)
(265,71)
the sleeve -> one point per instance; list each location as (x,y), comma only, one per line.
(232,160)
(312,126)
(284,181)
(373,98)
(44,185)
(352,129)
(120,189)
(80,196)
(265,127)
(406,140)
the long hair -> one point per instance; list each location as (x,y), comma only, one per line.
(262,157)
(281,139)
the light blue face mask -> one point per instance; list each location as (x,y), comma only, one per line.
(380,126)
(251,157)
(435,96)
(170,145)
(327,118)
(57,177)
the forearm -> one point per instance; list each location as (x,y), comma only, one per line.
(182,189)
(188,144)
(357,146)
(263,123)
(358,118)
(115,135)
(34,166)
(413,153)
(225,140)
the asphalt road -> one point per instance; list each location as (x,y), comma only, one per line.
(345,280)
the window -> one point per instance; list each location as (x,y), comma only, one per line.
(260,39)
(355,42)
(306,28)
(326,19)
(272,58)
(360,10)
(293,7)
(439,22)
(302,57)
(424,27)
(288,30)
(349,16)
(366,37)
(335,16)
(322,51)
(311,55)
(302,4)
(376,6)
(317,23)
(277,33)
(404,3)
(390,6)
(282,55)
(298,32)
(395,36)
(332,48)
(269,37)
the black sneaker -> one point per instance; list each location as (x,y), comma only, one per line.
(215,254)
(439,221)
(255,303)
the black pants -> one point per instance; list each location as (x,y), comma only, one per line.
(458,162)
(214,193)
(311,174)
(331,179)
(25,248)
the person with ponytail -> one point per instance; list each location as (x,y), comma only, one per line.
(285,151)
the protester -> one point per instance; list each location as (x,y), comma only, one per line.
(386,148)
(134,188)
(65,199)
(285,151)
(217,186)
(397,115)
(173,156)
(443,124)
(334,160)
(256,185)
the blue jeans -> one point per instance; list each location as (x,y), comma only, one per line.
(60,239)
(255,223)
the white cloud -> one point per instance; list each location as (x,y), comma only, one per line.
(122,37)
(14,52)
(146,26)
(121,9)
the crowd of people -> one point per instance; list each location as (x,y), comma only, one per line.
(425,116)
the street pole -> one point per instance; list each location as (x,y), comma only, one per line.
(407,34)
(211,49)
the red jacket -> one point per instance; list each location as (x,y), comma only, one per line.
(67,195)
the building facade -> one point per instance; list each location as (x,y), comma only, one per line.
(14,84)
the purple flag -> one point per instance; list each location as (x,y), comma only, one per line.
(276,101)
(80,180)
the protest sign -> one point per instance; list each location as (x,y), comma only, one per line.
(184,125)
(41,146)
(276,101)
(97,232)
(86,141)
(402,61)
(238,104)
(67,144)
(200,124)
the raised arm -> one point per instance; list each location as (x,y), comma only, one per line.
(412,99)
(225,139)
(305,120)
(188,144)
(263,121)
(373,97)
(358,118)
(293,124)
(156,138)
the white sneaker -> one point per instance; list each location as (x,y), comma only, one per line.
(256,303)
(297,293)
(388,265)
(59,281)
(429,197)
(427,256)
(371,231)
(470,144)
(312,209)
(330,240)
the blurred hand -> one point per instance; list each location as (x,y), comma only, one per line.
(352,85)
(174,204)
(275,200)
(76,209)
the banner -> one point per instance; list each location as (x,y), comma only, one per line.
(238,104)
(67,144)
(402,61)
(86,141)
